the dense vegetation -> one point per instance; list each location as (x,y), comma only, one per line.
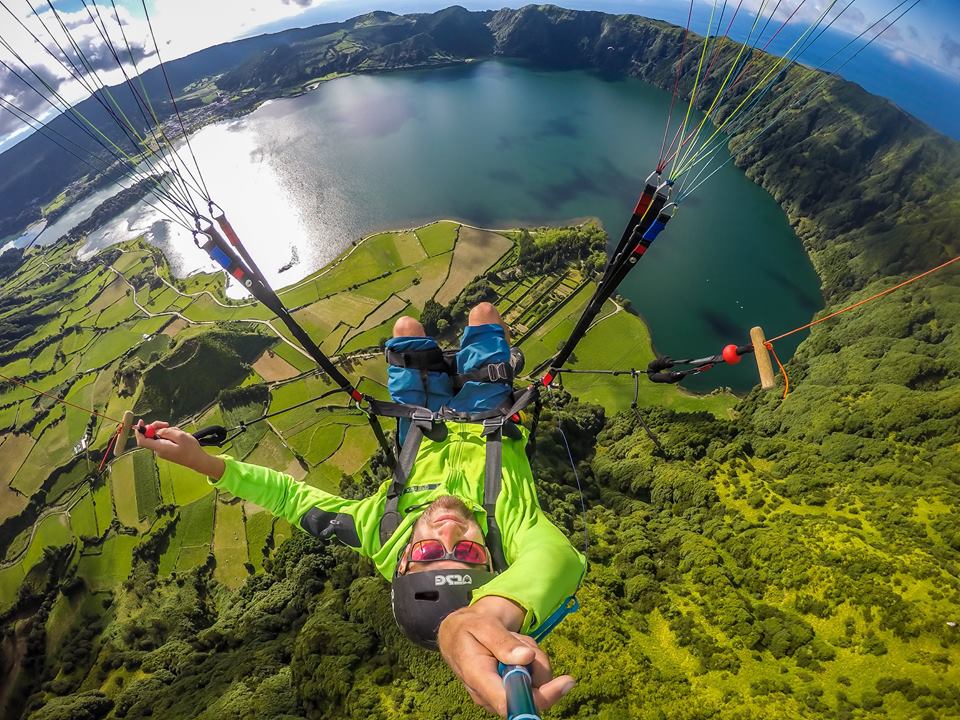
(190,378)
(798,560)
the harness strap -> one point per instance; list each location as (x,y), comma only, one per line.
(386,408)
(431,359)
(424,422)
(491,373)
(401,472)
(492,482)
(445,361)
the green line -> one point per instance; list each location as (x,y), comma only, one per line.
(776,66)
(696,82)
(723,85)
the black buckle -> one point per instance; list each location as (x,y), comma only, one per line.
(498,372)
(493,425)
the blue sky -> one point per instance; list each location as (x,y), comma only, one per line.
(916,63)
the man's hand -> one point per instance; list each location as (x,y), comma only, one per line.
(473,640)
(182,448)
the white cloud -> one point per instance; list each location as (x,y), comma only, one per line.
(902,41)
(900,56)
(215,21)
(181,27)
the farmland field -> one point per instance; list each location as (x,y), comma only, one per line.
(124,490)
(317,442)
(230,543)
(41,461)
(52,531)
(195,532)
(146,482)
(10,580)
(272,453)
(103,507)
(476,250)
(439,237)
(109,567)
(188,485)
(245,441)
(271,366)
(259,524)
(13,450)
(83,517)
(382,288)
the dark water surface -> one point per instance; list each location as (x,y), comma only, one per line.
(497,144)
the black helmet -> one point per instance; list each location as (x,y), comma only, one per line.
(422,600)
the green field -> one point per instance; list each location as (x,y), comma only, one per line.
(147,483)
(190,542)
(296,358)
(195,532)
(187,485)
(317,442)
(123,486)
(103,507)
(123,309)
(438,237)
(83,517)
(67,482)
(616,394)
(230,543)
(51,532)
(165,480)
(293,393)
(108,568)
(382,288)
(246,441)
(108,347)
(10,580)
(81,394)
(271,452)
(52,447)
(282,531)
(156,345)
(259,526)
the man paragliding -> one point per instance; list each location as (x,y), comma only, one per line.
(475,565)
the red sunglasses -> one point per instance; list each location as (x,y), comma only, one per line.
(465,551)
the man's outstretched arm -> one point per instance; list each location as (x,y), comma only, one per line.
(545,570)
(309,508)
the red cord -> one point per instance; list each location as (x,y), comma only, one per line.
(110,444)
(783,370)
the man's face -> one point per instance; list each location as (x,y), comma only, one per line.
(448,520)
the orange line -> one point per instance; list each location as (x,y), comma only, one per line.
(864,302)
(59,400)
(783,370)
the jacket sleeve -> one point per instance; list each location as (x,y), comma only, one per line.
(312,510)
(545,569)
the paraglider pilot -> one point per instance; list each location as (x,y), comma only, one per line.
(438,553)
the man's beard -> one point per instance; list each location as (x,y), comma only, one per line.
(447,504)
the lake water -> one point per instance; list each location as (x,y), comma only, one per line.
(495,144)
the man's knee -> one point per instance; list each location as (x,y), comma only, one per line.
(407,326)
(484,314)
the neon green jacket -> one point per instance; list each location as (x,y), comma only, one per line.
(544,568)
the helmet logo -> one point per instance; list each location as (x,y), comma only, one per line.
(453,580)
